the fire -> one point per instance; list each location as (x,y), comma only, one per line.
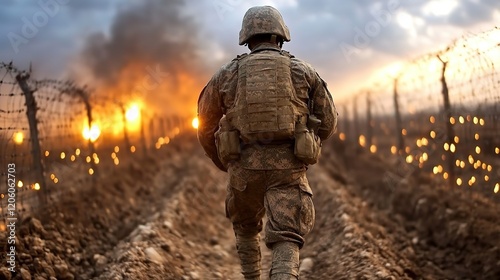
(18,138)
(195,123)
(133,113)
(91,134)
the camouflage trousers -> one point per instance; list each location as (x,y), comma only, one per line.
(284,195)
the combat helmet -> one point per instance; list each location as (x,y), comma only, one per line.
(263,20)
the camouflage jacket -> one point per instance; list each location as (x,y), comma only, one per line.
(219,94)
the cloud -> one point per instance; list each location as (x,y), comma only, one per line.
(318,29)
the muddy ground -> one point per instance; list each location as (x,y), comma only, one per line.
(162,217)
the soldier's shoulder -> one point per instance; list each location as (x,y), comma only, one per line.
(239,57)
(299,63)
(227,69)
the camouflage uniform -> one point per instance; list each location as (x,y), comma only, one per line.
(268,178)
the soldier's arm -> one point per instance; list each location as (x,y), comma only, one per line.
(209,114)
(324,107)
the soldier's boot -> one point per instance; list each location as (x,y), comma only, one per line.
(285,265)
(248,248)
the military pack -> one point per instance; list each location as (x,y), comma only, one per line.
(266,107)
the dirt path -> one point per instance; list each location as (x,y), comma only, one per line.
(163,218)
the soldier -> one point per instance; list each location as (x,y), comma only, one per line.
(262,119)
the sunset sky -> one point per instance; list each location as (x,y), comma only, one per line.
(346,41)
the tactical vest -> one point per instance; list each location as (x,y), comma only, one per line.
(266,106)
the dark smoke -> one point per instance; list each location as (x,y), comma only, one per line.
(154,34)
(151,32)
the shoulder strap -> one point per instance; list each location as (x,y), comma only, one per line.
(303,111)
(240,56)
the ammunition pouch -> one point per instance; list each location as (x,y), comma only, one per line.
(307,144)
(228,145)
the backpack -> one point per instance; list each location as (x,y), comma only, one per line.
(266,107)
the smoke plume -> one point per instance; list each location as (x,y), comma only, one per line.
(149,54)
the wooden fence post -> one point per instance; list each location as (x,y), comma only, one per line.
(85,97)
(31,109)
(397,116)
(369,128)
(450,158)
(125,131)
(143,135)
(355,118)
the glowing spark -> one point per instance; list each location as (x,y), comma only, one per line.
(409,159)
(362,140)
(394,150)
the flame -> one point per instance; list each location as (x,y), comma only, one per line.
(18,138)
(91,134)
(195,123)
(133,113)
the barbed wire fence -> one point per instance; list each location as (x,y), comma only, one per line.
(439,112)
(60,136)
